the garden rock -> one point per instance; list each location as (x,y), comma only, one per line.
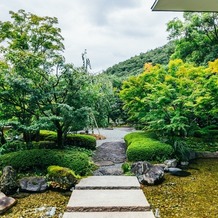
(140,167)
(6,202)
(62,178)
(178,172)
(33,184)
(147,173)
(8,180)
(171,163)
(174,170)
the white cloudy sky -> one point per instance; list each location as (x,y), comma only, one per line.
(110,30)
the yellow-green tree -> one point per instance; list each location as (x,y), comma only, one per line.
(177,100)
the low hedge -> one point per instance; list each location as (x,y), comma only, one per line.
(47,135)
(83,141)
(40,159)
(78,140)
(142,148)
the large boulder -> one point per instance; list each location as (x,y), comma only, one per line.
(62,178)
(8,181)
(147,173)
(33,184)
(6,202)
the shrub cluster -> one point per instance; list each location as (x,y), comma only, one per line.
(47,135)
(78,140)
(83,141)
(142,148)
(44,145)
(12,146)
(40,159)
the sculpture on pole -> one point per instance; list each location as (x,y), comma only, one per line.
(86,61)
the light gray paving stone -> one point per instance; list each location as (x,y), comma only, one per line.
(109,182)
(107,200)
(147,214)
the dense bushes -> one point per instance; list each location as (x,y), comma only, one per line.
(141,148)
(40,159)
(78,140)
(83,141)
(13,146)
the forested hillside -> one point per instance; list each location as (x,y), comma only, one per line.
(193,39)
(134,65)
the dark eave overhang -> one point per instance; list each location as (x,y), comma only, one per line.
(186,5)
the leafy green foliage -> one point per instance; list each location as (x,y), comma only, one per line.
(30,160)
(47,135)
(126,167)
(196,37)
(77,140)
(83,141)
(12,146)
(141,148)
(173,101)
(44,145)
(37,88)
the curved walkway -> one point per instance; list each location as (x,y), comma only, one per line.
(111,152)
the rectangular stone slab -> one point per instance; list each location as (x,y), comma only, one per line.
(147,214)
(107,200)
(109,182)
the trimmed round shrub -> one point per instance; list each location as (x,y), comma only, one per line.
(30,160)
(142,148)
(83,141)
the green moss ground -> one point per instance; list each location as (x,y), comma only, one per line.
(26,206)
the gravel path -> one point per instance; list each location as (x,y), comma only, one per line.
(111,152)
(115,134)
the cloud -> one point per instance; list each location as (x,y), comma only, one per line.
(111,31)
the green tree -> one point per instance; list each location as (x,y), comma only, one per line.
(37,87)
(173,101)
(31,47)
(196,37)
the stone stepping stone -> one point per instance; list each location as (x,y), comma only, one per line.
(6,202)
(107,201)
(147,214)
(108,182)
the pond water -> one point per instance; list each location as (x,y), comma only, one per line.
(194,196)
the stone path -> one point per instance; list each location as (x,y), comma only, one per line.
(108,196)
(111,152)
(109,157)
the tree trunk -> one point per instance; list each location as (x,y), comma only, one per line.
(60,134)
